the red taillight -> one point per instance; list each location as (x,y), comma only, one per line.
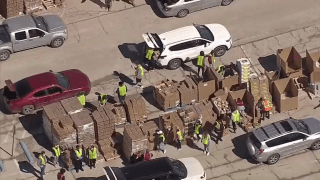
(261,151)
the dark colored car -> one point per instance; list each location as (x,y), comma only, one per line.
(36,91)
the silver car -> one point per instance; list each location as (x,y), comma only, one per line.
(274,141)
(182,8)
(26,32)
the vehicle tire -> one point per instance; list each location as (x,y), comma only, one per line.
(226,2)
(57,42)
(174,64)
(183,13)
(29,109)
(315,145)
(4,55)
(219,51)
(274,158)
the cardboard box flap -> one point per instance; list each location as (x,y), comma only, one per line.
(313,56)
(315,77)
(290,59)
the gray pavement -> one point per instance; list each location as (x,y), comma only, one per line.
(93,48)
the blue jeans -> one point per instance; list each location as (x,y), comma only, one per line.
(43,171)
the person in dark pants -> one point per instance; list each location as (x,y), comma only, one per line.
(93,155)
(149,60)
(200,63)
(179,138)
(218,128)
(122,90)
(42,163)
(79,158)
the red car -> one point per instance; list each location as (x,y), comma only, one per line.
(36,91)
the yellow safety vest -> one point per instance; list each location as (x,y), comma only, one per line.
(219,69)
(82,99)
(102,100)
(43,160)
(236,117)
(197,128)
(93,154)
(200,61)
(122,90)
(218,125)
(142,71)
(180,135)
(213,58)
(79,153)
(149,54)
(163,138)
(57,151)
(205,139)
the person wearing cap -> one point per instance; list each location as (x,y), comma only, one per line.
(56,154)
(198,130)
(42,163)
(179,138)
(161,141)
(93,155)
(265,108)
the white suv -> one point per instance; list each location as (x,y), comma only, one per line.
(177,46)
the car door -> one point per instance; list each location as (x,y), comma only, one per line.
(36,38)
(280,145)
(20,41)
(300,142)
(57,93)
(193,5)
(184,50)
(41,98)
(211,3)
(202,45)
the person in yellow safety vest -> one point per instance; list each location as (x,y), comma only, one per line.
(56,154)
(42,163)
(82,99)
(179,138)
(149,59)
(139,75)
(219,131)
(206,143)
(200,63)
(220,69)
(236,119)
(211,59)
(78,157)
(161,142)
(122,90)
(92,151)
(103,99)
(198,130)
(266,108)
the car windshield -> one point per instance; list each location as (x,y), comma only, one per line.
(158,40)
(301,126)
(171,2)
(4,36)
(204,32)
(255,141)
(179,168)
(22,88)
(62,80)
(40,22)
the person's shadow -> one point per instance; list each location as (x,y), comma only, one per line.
(124,78)
(26,167)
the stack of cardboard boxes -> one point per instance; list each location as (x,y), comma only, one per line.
(137,110)
(243,66)
(186,95)
(106,148)
(169,123)
(149,130)
(104,126)
(166,95)
(206,86)
(133,140)
(32,6)
(313,71)
(11,8)
(119,112)
(189,116)
(205,108)
(221,104)
(72,105)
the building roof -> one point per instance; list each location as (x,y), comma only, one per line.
(20,22)
(184,33)
(42,80)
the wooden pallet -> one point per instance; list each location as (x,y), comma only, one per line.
(48,4)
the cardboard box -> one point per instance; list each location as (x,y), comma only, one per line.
(247,99)
(169,123)
(206,86)
(221,103)
(312,62)
(290,62)
(285,95)
(167,95)
(193,88)
(229,82)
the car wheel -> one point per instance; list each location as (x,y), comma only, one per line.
(57,42)
(4,55)
(220,51)
(273,159)
(183,13)
(27,109)
(174,64)
(315,145)
(226,2)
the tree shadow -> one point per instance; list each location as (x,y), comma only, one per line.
(269,63)
(26,167)
(33,125)
(3,108)
(155,8)
(134,52)
(240,148)
(99,3)
(124,78)
(148,96)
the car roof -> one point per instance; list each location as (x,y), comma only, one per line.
(181,34)
(274,130)
(147,168)
(42,80)
(21,22)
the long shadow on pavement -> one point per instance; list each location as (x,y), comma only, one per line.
(269,63)
(133,51)
(124,78)
(155,8)
(240,148)
(3,108)
(26,167)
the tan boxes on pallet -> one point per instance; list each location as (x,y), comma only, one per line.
(205,108)
(119,112)
(106,148)
(221,104)
(184,93)
(259,87)
(166,95)
(290,62)
(133,140)
(285,95)
(169,123)
(206,86)
(149,130)
(11,8)
(85,128)
(72,105)
(104,127)
(191,85)
(189,116)
(137,110)
(32,6)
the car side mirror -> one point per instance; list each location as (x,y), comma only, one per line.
(207,44)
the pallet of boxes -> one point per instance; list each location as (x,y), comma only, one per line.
(166,95)
(136,109)
(149,130)
(11,8)
(169,123)
(31,6)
